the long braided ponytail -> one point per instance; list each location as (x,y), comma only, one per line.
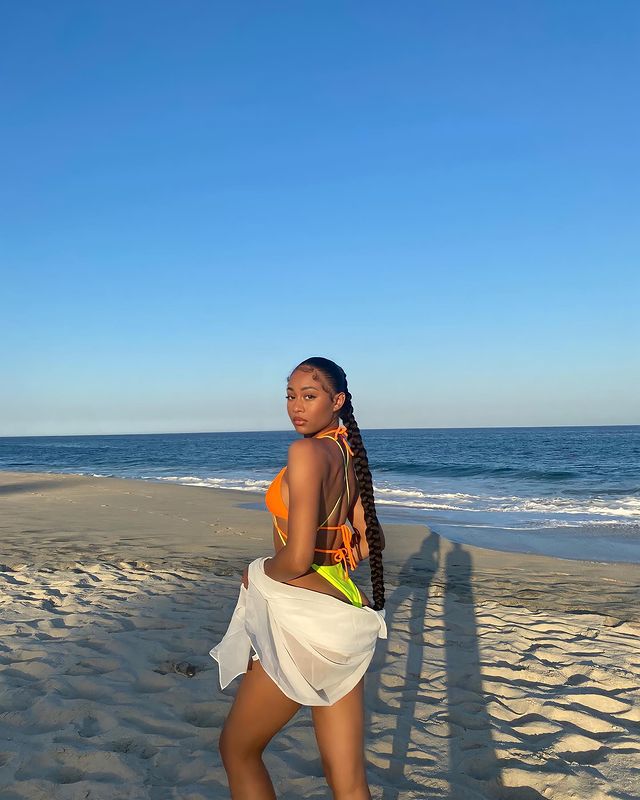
(337,379)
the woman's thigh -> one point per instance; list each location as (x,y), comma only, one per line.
(259,711)
(339,731)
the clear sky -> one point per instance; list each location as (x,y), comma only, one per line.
(443,197)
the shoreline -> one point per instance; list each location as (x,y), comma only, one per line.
(203,528)
(502,673)
(255,501)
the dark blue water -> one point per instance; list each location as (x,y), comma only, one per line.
(573,492)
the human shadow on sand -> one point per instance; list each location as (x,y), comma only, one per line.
(473,768)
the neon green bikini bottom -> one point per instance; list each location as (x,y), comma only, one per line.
(334,573)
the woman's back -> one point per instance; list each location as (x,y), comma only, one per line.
(339,496)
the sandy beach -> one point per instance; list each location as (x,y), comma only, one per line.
(504,675)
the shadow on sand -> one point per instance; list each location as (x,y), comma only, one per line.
(473,768)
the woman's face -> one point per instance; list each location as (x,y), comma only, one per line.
(309,405)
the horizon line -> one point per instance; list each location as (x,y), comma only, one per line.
(290,430)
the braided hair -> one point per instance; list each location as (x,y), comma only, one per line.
(337,379)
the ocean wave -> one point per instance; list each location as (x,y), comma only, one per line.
(474,471)
(236,484)
(635,490)
(530,525)
(626,507)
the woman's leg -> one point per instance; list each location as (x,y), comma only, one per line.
(258,712)
(339,730)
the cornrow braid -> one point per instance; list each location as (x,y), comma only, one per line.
(337,378)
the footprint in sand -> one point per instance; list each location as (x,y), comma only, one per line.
(150,684)
(99,647)
(28,671)
(136,747)
(598,702)
(577,679)
(175,769)
(534,726)
(204,715)
(67,775)
(43,767)
(578,749)
(93,666)
(89,727)
(76,687)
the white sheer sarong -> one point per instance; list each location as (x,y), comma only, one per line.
(312,645)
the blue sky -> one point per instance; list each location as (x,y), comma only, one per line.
(442,197)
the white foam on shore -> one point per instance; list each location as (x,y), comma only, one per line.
(555,505)
(627,507)
(236,484)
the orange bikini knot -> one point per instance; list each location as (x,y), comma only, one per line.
(342,431)
(345,553)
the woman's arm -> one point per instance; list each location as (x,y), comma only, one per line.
(304,475)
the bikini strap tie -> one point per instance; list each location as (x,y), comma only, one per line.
(344,554)
(339,431)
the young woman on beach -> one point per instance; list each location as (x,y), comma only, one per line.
(312,630)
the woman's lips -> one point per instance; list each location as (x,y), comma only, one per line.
(297,421)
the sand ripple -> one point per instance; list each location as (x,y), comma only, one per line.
(470,697)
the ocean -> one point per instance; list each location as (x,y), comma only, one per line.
(572,492)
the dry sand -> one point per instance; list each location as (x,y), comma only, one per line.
(504,675)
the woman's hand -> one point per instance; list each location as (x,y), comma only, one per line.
(245,578)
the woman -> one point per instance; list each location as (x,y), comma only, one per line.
(312,630)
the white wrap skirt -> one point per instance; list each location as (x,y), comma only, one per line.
(312,645)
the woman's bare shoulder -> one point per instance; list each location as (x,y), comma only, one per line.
(304,458)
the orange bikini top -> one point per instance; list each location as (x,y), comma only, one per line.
(274,502)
